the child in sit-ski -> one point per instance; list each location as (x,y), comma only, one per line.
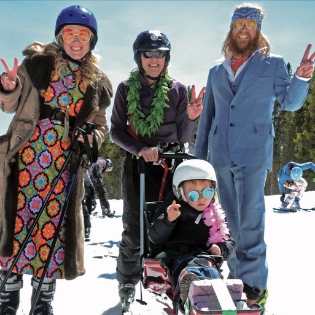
(190,221)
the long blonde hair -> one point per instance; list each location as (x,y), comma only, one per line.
(262,39)
(89,70)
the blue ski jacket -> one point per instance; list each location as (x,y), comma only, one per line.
(284,173)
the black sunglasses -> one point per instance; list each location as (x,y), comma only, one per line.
(150,54)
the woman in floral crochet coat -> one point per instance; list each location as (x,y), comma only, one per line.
(57,88)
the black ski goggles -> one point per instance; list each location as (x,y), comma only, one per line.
(150,54)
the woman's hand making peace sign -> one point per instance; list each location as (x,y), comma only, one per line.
(8,78)
(194,108)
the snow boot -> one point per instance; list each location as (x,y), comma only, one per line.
(261,301)
(184,284)
(296,203)
(46,296)
(10,295)
(284,205)
(127,293)
(107,212)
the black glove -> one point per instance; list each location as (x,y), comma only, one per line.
(282,197)
(288,183)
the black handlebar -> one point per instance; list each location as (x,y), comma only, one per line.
(176,156)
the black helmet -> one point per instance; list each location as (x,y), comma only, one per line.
(151,40)
(77,15)
(109,165)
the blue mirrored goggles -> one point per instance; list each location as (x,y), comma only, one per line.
(206,193)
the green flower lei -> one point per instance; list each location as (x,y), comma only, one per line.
(150,124)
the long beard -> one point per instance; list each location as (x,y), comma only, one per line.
(247,50)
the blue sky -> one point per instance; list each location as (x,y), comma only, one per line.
(196,30)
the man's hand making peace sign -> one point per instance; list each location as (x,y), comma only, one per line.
(306,68)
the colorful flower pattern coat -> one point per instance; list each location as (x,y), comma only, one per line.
(25,101)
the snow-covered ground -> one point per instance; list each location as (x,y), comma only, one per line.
(289,237)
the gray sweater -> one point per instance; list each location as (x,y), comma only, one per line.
(176,126)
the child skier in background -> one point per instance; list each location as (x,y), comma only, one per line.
(189,219)
(290,176)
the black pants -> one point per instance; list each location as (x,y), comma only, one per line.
(128,262)
(87,210)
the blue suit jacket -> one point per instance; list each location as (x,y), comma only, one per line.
(238,128)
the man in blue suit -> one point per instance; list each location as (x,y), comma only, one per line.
(236,134)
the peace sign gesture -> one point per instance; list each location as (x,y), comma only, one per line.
(8,78)
(194,108)
(306,68)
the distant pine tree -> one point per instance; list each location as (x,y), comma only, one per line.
(287,126)
(304,139)
(112,180)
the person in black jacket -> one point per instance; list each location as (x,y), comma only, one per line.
(190,219)
(96,172)
(88,204)
(93,184)
(151,113)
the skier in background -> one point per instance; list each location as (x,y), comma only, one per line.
(290,176)
(96,172)
(88,204)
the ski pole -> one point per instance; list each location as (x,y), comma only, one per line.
(89,128)
(142,201)
(41,210)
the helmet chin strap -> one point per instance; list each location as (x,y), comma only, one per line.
(148,76)
(152,78)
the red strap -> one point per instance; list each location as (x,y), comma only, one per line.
(131,129)
(164,164)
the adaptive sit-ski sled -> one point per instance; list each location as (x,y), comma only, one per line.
(75,147)
(212,296)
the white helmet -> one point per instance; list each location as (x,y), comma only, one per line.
(190,170)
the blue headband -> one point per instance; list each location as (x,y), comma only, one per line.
(247,13)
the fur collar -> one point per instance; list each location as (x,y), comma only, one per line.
(39,68)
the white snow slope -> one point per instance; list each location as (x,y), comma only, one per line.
(289,237)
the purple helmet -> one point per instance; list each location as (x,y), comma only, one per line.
(77,15)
